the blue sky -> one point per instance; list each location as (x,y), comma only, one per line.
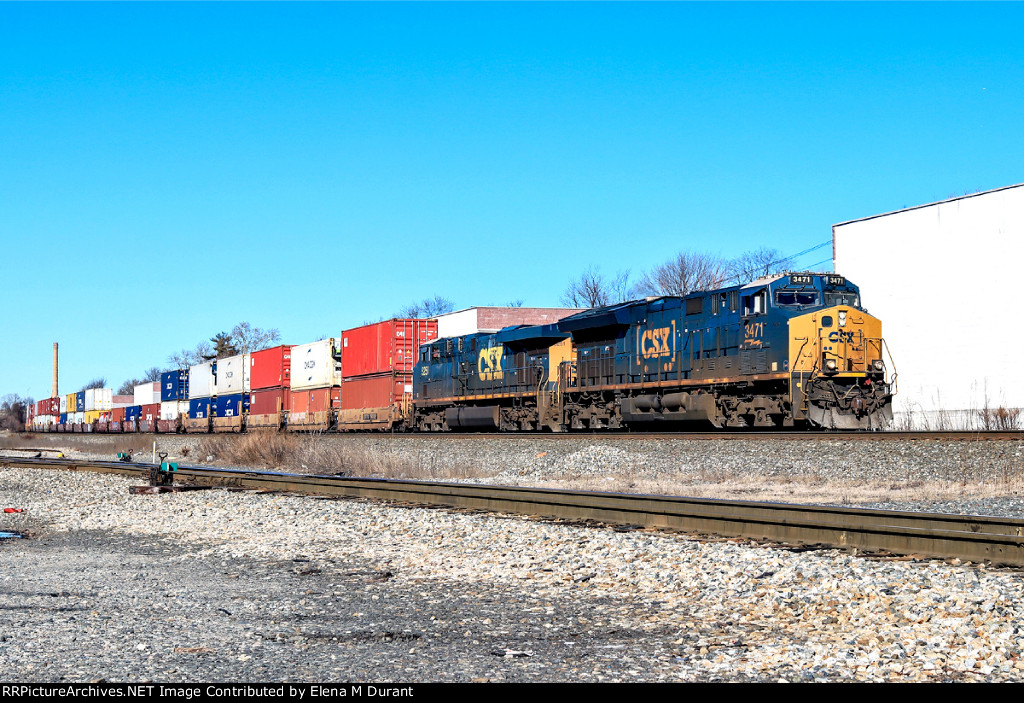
(168,170)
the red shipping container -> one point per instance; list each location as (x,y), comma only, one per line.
(117,415)
(375,391)
(269,401)
(317,400)
(383,347)
(271,368)
(150,413)
(375,402)
(314,408)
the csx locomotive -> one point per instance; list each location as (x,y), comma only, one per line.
(793,350)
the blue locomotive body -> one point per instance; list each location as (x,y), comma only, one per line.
(760,354)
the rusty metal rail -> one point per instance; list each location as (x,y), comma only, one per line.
(948,436)
(967,537)
(944,435)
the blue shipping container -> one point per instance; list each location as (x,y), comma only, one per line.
(132,413)
(198,408)
(174,385)
(63,418)
(231,405)
(79,401)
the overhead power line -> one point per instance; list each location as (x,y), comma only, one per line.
(778,260)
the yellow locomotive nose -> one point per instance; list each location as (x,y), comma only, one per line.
(838,370)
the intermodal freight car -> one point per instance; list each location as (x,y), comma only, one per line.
(793,350)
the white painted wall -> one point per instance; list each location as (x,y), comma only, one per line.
(945,280)
(458,323)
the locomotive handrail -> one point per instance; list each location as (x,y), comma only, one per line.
(892,383)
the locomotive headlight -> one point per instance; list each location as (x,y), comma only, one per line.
(830,365)
(878,365)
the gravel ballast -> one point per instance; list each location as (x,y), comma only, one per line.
(241,586)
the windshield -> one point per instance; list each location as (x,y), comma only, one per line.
(796,297)
(842,298)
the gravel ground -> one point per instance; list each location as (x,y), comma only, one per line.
(983,477)
(242,586)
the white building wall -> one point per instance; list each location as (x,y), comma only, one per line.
(945,280)
(458,323)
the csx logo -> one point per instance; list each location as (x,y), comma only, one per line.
(489,363)
(656,343)
(840,336)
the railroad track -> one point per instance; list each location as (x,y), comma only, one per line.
(967,537)
(980,435)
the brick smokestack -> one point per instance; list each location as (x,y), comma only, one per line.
(54,389)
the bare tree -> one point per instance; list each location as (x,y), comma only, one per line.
(95,383)
(13,409)
(247,339)
(429,307)
(517,303)
(128,387)
(191,357)
(751,265)
(684,273)
(592,289)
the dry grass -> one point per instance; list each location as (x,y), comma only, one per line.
(320,454)
(96,444)
(317,454)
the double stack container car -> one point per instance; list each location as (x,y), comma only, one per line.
(173,401)
(201,378)
(230,400)
(377,362)
(315,385)
(270,381)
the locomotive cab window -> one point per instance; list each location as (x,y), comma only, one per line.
(796,298)
(842,298)
(755,304)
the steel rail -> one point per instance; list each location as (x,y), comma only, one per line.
(966,537)
(944,435)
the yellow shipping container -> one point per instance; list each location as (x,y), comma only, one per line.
(72,398)
(92,416)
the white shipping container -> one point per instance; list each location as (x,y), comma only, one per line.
(316,365)
(147,393)
(63,403)
(173,409)
(103,399)
(90,399)
(200,380)
(233,374)
(78,417)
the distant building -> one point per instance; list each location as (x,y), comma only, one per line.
(492,319)
(943,278)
